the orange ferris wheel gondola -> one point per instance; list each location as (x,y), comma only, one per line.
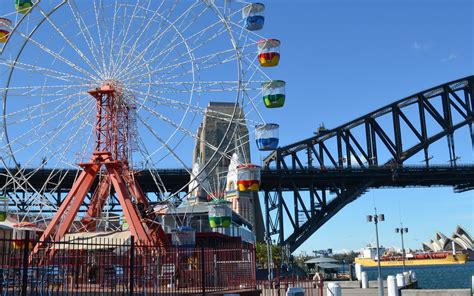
(269,52)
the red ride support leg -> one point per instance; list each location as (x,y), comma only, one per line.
(157,233)
(134,221)
(76,197)
(96,204)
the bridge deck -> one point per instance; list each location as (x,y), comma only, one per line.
(177,179)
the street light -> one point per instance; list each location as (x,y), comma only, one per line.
(402,230)
(268,240)
(376,219)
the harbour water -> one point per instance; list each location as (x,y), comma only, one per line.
(433,277)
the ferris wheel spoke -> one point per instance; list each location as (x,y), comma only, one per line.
(257,70)
(156,37)
(160,185)
(58,103)
(198,36)
(20,182)
(168,69)
(251,101)
(57,56)
(163,54)
(224,55)
(28,90)
(84,30)
(80,54)
(120,59)
(240,27)
(43,71)
(182,129)
(163,143)
(112,39)
(27,135)
(32,138)
(163,87)
(185,87)
(178,35)
(65,148)
(169,76)
(183,106)
(100,36)
(46,140)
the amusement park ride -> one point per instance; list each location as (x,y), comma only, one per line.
(163,66)
(121,93)
(111,150)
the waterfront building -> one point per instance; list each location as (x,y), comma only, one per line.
(460,241)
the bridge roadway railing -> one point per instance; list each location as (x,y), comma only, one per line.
(458,176)
(272,179)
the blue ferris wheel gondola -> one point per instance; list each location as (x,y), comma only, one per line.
(266,136)
(253,16)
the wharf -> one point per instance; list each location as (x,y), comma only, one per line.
(352,288)
(407,292)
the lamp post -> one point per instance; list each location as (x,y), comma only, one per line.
(376,219)
(402,230)
(268,240)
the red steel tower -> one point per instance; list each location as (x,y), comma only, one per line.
(111,150)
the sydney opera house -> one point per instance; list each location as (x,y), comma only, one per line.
(460,241)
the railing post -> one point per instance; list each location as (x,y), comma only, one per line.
(24,278)
(203,268)
(132,263)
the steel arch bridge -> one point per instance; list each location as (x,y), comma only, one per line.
(334,167)
(306,183)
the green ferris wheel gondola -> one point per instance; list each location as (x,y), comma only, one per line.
(23,6)
(274,93)
(220,214)
(3,208)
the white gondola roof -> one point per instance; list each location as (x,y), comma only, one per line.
(319,260)
(253,8)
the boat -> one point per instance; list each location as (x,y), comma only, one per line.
(368,258)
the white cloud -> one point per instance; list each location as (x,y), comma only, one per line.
(342,251)
(417,45)
(451,57)
(421,46)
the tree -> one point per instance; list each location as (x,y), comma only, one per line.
(261,255)
(347,257)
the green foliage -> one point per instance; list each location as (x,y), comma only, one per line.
(261,254)
(348,258)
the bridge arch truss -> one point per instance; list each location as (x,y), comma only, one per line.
(309,181)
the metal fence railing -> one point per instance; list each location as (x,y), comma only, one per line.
(122,268)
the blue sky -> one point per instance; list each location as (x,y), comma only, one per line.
(343,59)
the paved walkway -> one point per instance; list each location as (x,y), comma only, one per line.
(359,292)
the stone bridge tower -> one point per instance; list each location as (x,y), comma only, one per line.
(213,130)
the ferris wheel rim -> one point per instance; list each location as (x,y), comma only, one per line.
(238,92)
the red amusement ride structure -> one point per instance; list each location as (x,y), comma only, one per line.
(112,132)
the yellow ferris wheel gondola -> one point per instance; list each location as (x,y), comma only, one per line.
(268,52)
(5,29)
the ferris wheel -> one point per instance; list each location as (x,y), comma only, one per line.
(164,61)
